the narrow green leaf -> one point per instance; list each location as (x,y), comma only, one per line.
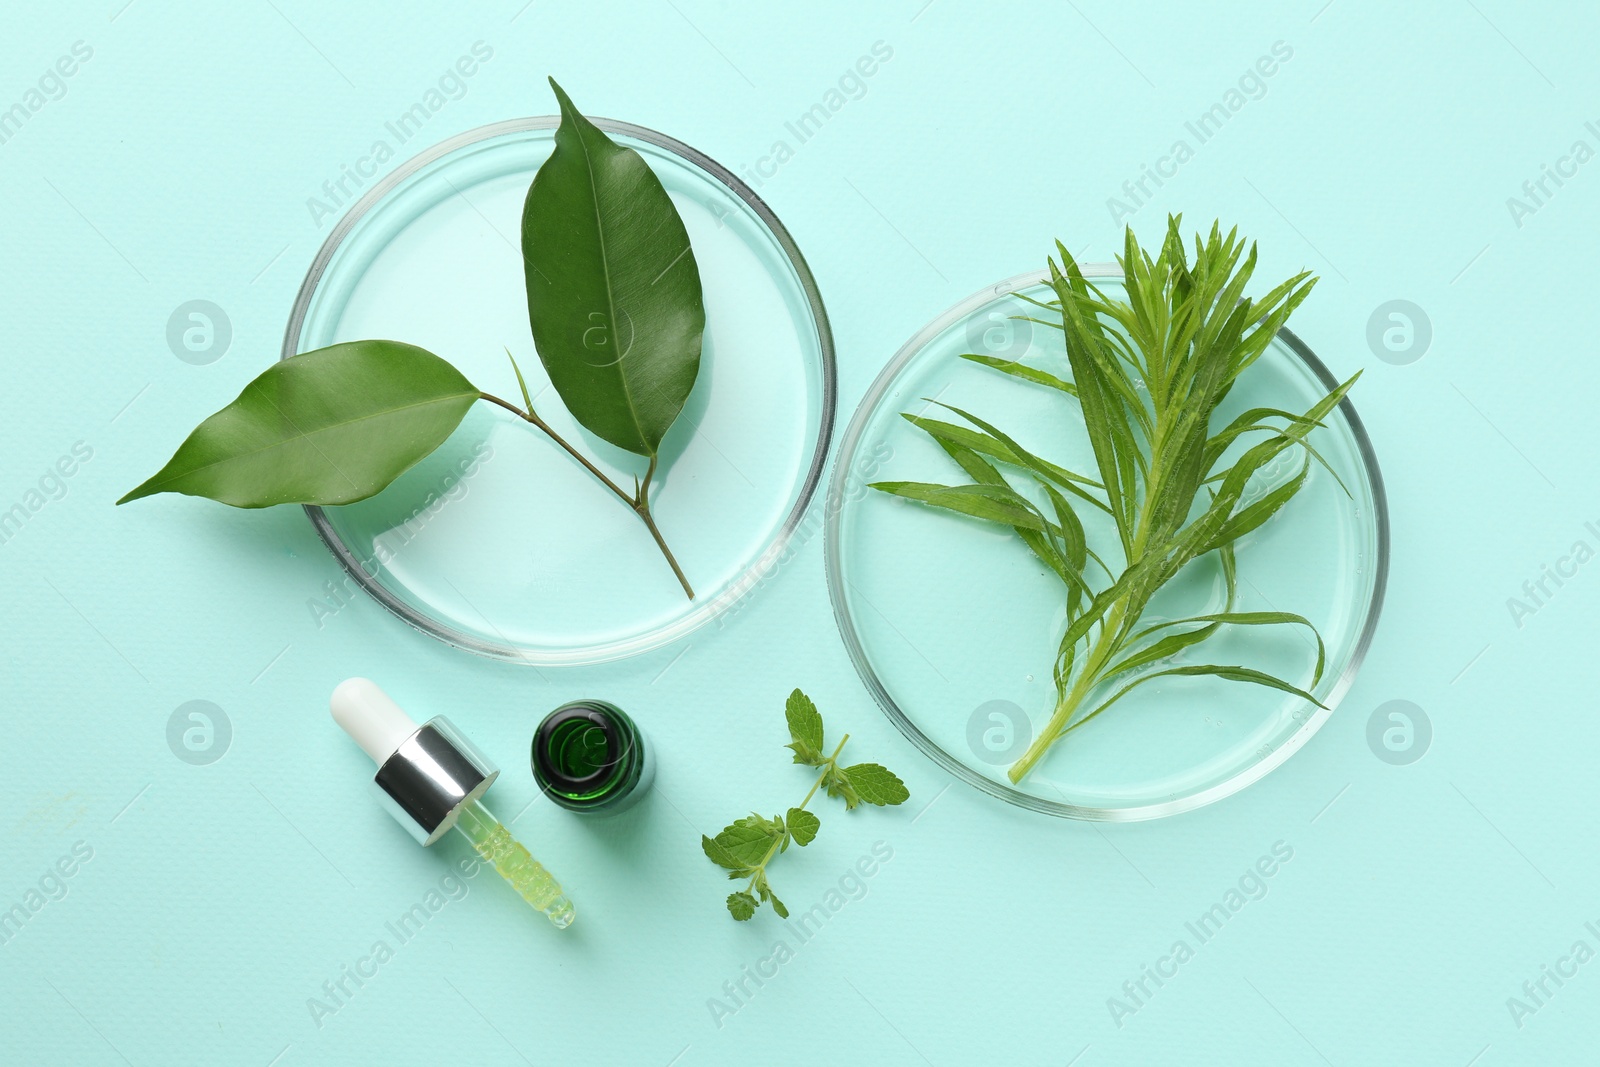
(1250,618)
(331,426)
(988,502)
(1074,550)
(1253,516)
(1229,673)
(985,473)
(877,784)
(1249,420)
(614,295)
(1033,464)
(947,433)
(1170,645)
(1023,371)
(1095,399)
(1202,531)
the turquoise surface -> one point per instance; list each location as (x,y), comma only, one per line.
(1436,911)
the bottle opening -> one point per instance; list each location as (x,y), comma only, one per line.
(580,750)
(587,756)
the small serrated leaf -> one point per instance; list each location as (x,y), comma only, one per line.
(805,727)
(741,905)
(803,826)
(877,784)
(747,841)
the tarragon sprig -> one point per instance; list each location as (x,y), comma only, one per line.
(1149,373)
(746,846)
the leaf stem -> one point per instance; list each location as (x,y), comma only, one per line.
(1112,630)
(772,850)
(641,491)
(643,510)
(1059,722)
(833,761)
(639,502)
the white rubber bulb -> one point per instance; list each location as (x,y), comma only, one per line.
(372,720)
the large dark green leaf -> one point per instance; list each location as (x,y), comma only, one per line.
(331,426)
(614,293)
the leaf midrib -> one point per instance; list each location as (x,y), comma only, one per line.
(611,299)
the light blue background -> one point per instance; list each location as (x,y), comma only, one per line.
(220,898)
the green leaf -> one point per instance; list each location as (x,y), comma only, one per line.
(1023,371)
(987,475)
(1254,515)
(1226,672)
(614,296)
(749,840)
(1165,648)
(877,784)
(1109,435)
(1243,618)
(947,434)
(803,826)
(805,727)
(991,503)
(331,426)
(719,855)
(1150,370)
(747,846)
(741,905)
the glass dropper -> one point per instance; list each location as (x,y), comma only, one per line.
(431,778)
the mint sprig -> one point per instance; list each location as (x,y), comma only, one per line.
(746,846)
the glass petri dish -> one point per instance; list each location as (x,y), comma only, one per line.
(953,623)
(499,542)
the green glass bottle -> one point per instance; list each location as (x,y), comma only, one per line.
(589,756)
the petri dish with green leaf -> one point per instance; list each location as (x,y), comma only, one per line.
(955,622)
(498,541)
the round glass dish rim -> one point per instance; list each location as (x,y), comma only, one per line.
(1247,776)
(747,581)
